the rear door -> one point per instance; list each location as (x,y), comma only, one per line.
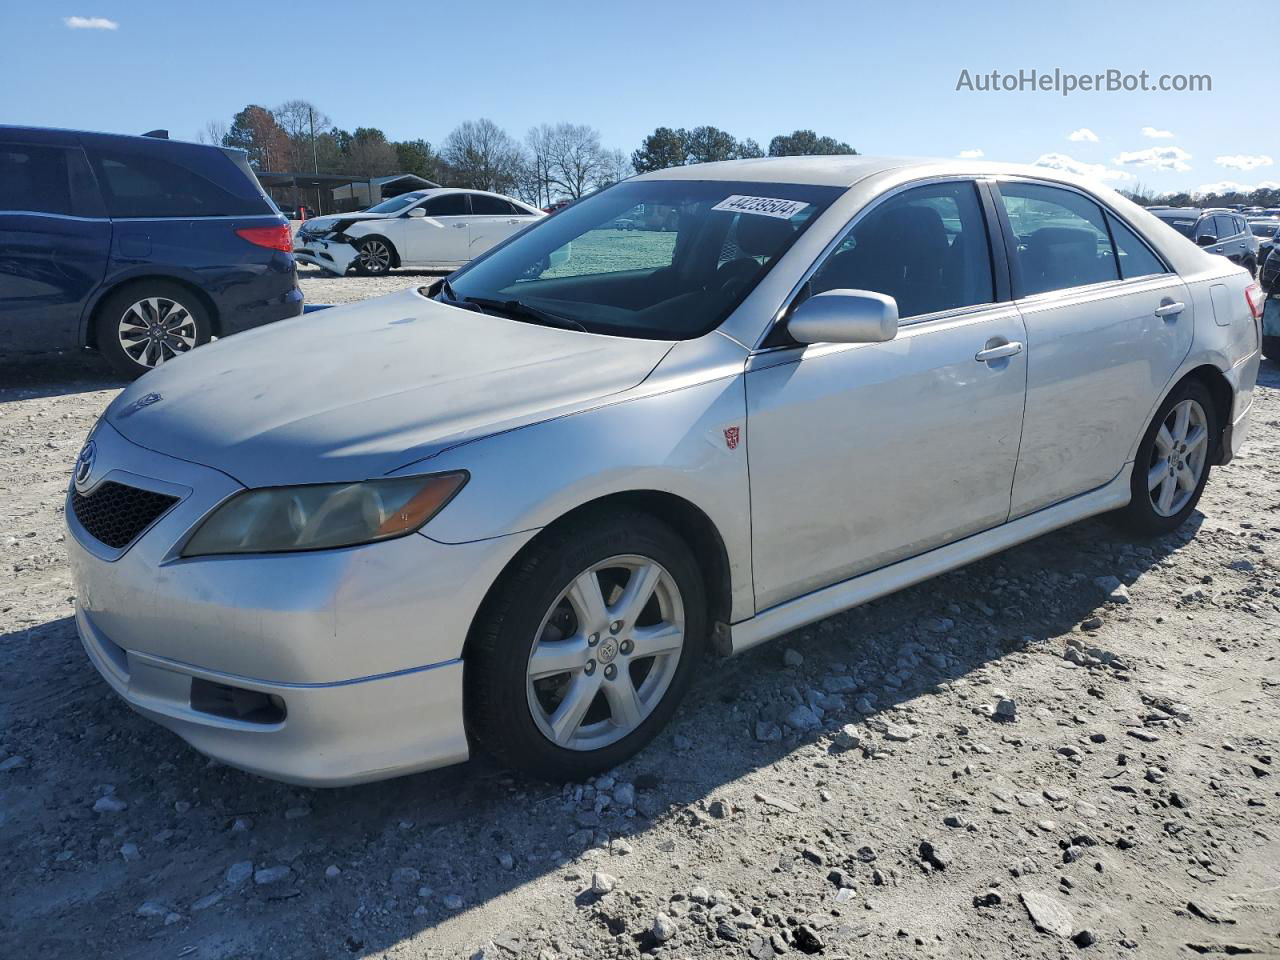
(54,242)
(493,219)
(1108,325)
(441,237)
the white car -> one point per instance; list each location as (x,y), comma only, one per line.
(437,229)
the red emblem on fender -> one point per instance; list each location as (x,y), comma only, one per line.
(731,437)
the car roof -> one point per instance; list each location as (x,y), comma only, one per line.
(844,171)
(1180,213)
(100,135)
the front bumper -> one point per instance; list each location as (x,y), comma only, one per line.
(330,734)
(332,256)
(361,646)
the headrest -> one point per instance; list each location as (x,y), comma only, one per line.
(759,236)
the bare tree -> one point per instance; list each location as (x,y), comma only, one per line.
(575,156)
(483,156)
(302,123)
(614,168)
(536,183)
(214,132)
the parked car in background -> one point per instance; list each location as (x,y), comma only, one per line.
(514,508)
(436,229)
(1218,230)
(1266,230)
(139,247)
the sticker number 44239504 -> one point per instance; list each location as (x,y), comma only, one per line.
(762,206)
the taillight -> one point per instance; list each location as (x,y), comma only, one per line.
(273,238)
(1256,299)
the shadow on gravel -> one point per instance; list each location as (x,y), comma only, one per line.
(55,375)
(414,852)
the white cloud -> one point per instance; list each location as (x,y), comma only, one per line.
(1084,134)
(1154,134)
(1157,158)
(1230,186)
(1244,161)
(970,154)
(90,23)
(1091,171)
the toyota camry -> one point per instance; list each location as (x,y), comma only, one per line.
(513,510)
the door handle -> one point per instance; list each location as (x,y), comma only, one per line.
(998,351)
(458,226)
(1170,308)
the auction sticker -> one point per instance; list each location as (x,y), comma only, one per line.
(762,206)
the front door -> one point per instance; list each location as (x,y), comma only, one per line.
(861,455)
(441,237)
(1109,323)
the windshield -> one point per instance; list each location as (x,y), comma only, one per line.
(1184,224)
(657,259)
(392,204)
(1264,228)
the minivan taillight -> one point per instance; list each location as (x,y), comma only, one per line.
(1256,299)
(273,238)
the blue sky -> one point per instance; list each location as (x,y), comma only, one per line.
(881,76)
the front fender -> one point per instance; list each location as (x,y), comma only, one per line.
(689,441)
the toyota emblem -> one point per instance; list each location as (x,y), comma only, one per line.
(84,464)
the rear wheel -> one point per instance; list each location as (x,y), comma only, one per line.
(374,257)
(145,325)
(587,648)
(1172,465)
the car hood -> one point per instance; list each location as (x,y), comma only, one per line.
(325,223)
(358,391)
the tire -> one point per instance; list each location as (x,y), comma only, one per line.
(144,325)
(374,257)
(1271,348)
(1155,511)
(515,710)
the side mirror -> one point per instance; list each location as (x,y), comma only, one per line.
(845,316)
(417,212)
(1207,240)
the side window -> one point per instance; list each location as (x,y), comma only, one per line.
(927,248)
(35,178)
(486,206)
(138,183)
(449,205)
(1136,258)
(1061,238)
(1206,228)
(1224,226)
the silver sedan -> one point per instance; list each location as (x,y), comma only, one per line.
(517,509)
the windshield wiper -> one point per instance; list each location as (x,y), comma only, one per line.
(518,308)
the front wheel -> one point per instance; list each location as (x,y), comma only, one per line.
(584,652)
(373,257)
(1172,465)
(145,325)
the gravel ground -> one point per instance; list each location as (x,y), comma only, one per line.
(1065,750)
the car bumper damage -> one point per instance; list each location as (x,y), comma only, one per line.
(324,668)
(331,255)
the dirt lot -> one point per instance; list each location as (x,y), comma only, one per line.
(1066,750)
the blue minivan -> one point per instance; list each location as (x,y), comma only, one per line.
(141,248)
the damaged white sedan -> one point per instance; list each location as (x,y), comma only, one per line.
(434,229)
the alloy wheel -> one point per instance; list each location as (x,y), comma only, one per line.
(156,329)
(375,256)
(605,652)
(1178,458)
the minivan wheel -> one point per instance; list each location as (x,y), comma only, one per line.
(1172,465)
(586,649)
(373,257)
(145,325)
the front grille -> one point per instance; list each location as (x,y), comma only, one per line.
(116,514)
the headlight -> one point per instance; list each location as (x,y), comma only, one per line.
(323,516)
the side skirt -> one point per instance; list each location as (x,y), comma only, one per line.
(820,604)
